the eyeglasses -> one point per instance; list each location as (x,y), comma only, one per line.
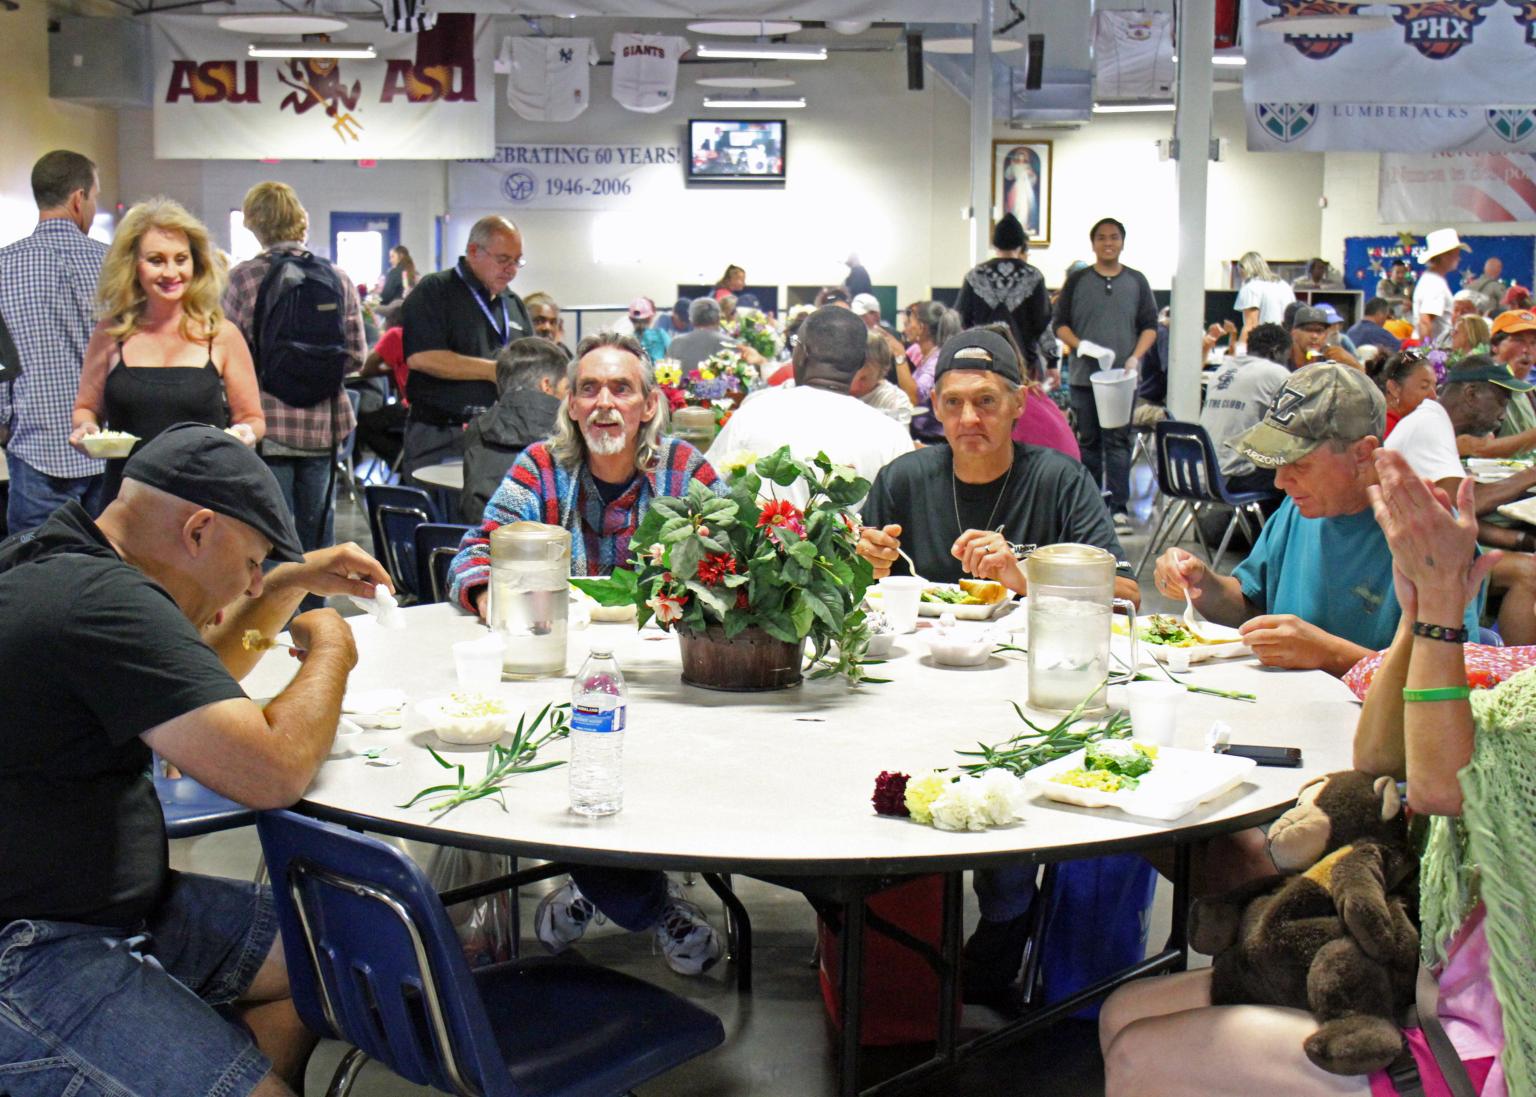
(508,262)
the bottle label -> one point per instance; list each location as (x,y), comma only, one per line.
(592,718)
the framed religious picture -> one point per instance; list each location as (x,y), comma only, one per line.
(1021,185)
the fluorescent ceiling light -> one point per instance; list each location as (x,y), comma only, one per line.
(1130,108)
(1225,60)
(758,51)
(966,45)
(337,50)
(753,102)
(746,28)
(743,82)
(294,25)
(1323,26)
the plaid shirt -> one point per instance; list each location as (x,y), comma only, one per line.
(313,428)
(47,291)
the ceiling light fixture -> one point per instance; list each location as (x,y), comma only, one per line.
(281,25)
(1225,60)
(754,102)
(1130,108)
(1324,25)
(746,28)
(338,50)
(760,51)
(743,82)
(966,45)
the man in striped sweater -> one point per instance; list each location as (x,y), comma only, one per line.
(596,476)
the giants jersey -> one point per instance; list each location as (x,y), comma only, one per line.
(549,80)
(1133,54)
(645,70)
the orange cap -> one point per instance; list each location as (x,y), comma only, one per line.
(1514,320)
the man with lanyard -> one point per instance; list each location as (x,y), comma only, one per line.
(456,321)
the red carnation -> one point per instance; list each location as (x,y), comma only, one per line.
(741,598)
(714,568)
(781,513)
(890,796)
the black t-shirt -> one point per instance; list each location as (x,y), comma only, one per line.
(1050,499)
(452,310)
(92,654)
(1012,292)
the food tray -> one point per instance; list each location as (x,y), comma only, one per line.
(1198,653)
(109,444)
(964,613)
(1180,780)
(1490,470)
(1522,510)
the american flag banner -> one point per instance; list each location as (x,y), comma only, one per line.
(1490,187)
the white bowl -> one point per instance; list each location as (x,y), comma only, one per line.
(959,649)
(109,443)
(465,729)
(880,645)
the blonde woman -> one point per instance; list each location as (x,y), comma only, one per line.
(163,352)
(1264,296)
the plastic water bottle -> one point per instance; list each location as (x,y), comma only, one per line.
(599,708)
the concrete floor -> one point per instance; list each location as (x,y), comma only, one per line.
(777,1040)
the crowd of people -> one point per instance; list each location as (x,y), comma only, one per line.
(977,430)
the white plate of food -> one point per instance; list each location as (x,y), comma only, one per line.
(968,600)
(1162,632)
(1490,470)
(466,717)
(1522,510)
(1136,778)
(109,443)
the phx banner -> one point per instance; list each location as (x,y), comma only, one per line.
(213,102)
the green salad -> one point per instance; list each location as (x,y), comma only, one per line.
(1111,765)
(950,596)
(1166,629)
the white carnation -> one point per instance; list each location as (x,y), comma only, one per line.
(959,807)
(1001,796)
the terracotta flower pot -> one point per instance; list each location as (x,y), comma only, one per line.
(751,661)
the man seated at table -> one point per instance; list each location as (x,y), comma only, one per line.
(818,413)
(958,508)
(530,383)
(1240,392)
(1316,591)
(1512,343)
(596,476)
(120,637)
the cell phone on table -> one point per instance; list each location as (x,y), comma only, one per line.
(1289,757)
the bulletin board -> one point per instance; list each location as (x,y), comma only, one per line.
(1367,258)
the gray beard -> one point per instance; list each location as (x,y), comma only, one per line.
(604,445)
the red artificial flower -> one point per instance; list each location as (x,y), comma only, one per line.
(890,796)
(781,513)
(675,397)
(714,568)
(741,598)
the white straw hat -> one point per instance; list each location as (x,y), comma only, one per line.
(1441,241)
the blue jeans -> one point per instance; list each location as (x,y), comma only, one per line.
(35,495)
(93,1011)
(303,482)
(1106,453)
(1003,894)
(632,898)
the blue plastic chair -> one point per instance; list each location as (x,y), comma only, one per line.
(373,960)
(191,809)
(394,512)
(1189,476)
(436,544)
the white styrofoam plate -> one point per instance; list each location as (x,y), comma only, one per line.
(1522,510)
(964,613)
(1230,647)
(1179,781)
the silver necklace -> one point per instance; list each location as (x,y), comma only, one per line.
(954,497)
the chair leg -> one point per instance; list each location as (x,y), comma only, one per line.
(738,929)
(346,1073)
(1226,538)
(1152,542)
(1194,514)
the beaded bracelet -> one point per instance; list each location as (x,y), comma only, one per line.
(1441,632)
(1438,693)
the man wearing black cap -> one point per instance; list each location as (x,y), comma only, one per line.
(117,638)
(1008,290)
(1309,340)
(817,413)
(676,323)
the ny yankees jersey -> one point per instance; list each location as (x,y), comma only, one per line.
(645,70)
(549,80)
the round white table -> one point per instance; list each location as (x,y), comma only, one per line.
(449,474)
(778,784)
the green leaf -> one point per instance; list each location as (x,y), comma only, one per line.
(619,589)
(781,467)
(778,625)
(827,607)
(735,624)
(710,598)
(439,758)
(803,553)
(801,615)
(714,544)
(685,558)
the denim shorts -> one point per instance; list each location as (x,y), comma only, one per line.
(91,1011)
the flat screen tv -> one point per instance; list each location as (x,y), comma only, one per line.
(725,151)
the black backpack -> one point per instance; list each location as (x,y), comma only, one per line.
(300,330)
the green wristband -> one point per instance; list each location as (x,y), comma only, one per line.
(1438,693)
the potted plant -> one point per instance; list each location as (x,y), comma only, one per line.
(745,582)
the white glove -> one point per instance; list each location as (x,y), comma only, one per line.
(1089,349)
(1132,364)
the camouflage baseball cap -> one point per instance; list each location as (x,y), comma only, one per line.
(1320,403)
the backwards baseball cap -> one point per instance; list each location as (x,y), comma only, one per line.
(977,349)
(1324,402)
(1477,368)
(1515,320)
(211,468)
(681,308)
(1306,315)
(863,303)
(642,308)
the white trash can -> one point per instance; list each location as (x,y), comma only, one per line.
(1114,392)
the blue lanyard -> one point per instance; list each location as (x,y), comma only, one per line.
(502,332)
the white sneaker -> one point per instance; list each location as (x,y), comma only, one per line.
(563,916)
(688,942)
(1123,523)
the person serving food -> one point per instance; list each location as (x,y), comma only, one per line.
(962,507)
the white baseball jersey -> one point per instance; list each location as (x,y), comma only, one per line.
(645,70)
(550,77)
(1133,54)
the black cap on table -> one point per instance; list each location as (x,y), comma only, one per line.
(211,468)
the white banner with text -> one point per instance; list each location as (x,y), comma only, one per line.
(574,177)
(1388,127)
(1497,187)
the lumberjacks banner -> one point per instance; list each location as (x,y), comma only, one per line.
(587,177)
(212,102)
(1458,187)
(1463,52)
(1389,127)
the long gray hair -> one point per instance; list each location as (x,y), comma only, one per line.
(568,445)
(1255,269)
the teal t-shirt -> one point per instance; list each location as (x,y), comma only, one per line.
(655,342)
(1335,573)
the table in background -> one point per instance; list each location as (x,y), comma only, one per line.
(448,476)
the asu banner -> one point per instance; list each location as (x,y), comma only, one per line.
(1492,187)
(1462,52)
(1388,127)
(213,102)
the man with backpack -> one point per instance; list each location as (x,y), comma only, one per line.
(304,323)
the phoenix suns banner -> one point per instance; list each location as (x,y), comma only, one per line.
(1389,127)
(1464,52)
(213,102)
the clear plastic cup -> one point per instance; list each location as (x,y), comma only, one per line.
(900,594)
(1154,711)
(478,663)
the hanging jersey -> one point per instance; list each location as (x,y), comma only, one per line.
(408,16)
(645,70)
(549,80)
(1133,54)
